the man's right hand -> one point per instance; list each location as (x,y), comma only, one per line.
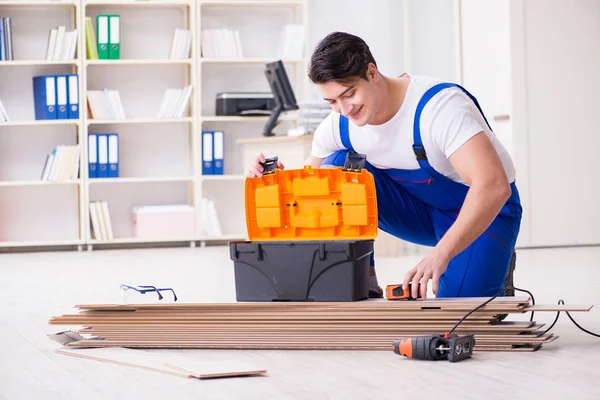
(256,169)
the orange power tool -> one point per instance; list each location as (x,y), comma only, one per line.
(436,347)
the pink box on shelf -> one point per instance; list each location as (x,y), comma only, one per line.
(176,221)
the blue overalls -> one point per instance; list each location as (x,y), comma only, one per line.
(420,205)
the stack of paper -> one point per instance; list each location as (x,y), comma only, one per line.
(105,104)
(221,43)
(62,44)
(62,164)
(311,115)
(101,221)
(175,102)
(181,44)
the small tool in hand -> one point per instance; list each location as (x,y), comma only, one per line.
(395,292)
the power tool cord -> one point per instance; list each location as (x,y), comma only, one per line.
(560,302)
(488,301)
(572,319)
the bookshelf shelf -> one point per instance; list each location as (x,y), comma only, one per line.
(253,3)
(138,3)
(133,240)
(223,177)
(38,3)
(38,183)
(137,62)
(140,121)
(239,236)
(263,60)
(42,122)
(35,63)
(288,117)
(42,243)
(108,181)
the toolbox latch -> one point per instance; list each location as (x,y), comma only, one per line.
(270,165)
(355,162)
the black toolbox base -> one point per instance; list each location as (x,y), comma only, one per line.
(302,270)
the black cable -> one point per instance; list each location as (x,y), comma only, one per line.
(555,319)
(572,319)
(489,300)
(560,302)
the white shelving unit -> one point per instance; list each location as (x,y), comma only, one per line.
(35,212)
(160,160)
(259,24)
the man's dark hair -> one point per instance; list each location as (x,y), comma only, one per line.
(340,57)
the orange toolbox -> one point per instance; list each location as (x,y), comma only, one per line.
(311,233)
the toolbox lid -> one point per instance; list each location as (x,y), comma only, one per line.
(311,204)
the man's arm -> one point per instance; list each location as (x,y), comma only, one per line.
(313,161)
(478,164)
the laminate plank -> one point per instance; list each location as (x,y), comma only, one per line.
(164,364)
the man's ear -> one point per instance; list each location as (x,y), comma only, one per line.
(373,73)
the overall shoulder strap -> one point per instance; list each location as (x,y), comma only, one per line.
(417,142)
(345,133)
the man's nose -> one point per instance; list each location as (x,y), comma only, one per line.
(345,107)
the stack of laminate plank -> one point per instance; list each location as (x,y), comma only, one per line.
(367,325)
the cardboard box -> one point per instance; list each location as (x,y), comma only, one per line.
(176,221)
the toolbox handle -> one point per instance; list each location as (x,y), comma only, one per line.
(322,251)
(259,252)
(355,161)
(270,165)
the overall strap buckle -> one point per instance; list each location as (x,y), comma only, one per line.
(420,152)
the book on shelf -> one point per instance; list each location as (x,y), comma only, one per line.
(212,225)
(101,223)
(56,96)
(3,114)
(213,152)
(62,164)
(6,45)
(181,44)
(103,155)
(91,45)
(175,102)
(62,44)
(105,104)
(108,36)
(221,43)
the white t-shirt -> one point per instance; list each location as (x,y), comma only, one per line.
(448,120)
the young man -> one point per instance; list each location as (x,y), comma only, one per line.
(442,177)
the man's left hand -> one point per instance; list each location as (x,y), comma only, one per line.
(431,267)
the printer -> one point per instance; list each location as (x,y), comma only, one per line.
(244,103)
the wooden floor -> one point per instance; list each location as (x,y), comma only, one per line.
(37,286)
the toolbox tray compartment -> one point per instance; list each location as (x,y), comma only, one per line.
(311,204)
(301,270)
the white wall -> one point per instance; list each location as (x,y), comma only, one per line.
(379,23)
(561,106)
(431,35)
